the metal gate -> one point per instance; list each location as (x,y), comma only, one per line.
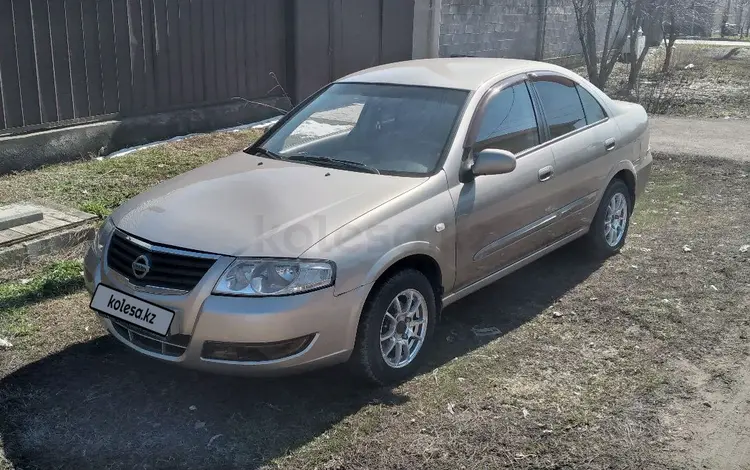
(338,37)
(63,62)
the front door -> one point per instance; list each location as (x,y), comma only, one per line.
(502,218)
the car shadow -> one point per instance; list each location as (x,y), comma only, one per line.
(97,405)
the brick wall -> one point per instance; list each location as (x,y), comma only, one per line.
(510,28)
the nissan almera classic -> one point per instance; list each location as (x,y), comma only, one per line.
(342,232)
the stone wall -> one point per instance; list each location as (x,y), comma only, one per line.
(513,28)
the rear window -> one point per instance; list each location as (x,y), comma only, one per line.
(591,107)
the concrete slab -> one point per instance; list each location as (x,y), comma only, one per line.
(54,218)
(18,214)
(44,245)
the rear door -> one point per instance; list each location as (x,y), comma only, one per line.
(502,218)
(580,136)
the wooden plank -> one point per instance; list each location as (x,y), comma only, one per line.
(312,58)
(261,43)
(251,46)
(239,18)
(220,52)
(11,89)
(53,223)
(196,42)
(173,39)
(60,60)
(230,47)
(209,57)
(276,30)
(76,58)
(43,46)
(107,55)
(137,66)
(92,57)
(27,74)
(398,24)
(359,36)
(122,56)
(8,238)
(60,215)
(147,13)
(186,53)
(161,67)
(24,231)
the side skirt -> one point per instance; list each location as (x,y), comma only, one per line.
(471,288)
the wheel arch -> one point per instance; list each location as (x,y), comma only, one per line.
(625,171)
(420,256)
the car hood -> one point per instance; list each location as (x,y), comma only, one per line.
(244,205)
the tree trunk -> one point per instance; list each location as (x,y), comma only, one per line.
(668,55)
(671,40)
(635,15)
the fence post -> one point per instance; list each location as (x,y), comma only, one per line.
(426,36)
(541,27)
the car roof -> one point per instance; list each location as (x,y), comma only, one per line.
(465,73)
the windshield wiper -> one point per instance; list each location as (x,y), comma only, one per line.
(314,159)
(267,153)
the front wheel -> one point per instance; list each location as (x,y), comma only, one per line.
(610,225)
(395,326)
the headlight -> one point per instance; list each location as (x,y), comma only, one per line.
(261,277)
(102,237)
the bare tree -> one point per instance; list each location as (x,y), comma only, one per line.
(725,17)
(677,14)
(670,34)
(641,13)
(599,66)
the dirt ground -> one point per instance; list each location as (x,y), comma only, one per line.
(638,362)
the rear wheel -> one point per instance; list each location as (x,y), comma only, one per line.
(610,225)
(395,326)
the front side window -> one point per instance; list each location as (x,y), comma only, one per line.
(392,129)
(561,105)
(509,122)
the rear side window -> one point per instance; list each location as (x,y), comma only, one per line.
(509,122)
(561,104)
(591,107)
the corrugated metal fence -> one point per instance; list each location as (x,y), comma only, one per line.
(65,61)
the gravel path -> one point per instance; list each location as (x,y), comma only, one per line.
(723,138)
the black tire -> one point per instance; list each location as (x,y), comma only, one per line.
(366,361)
(595,240)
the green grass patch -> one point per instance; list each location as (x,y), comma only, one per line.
(60,278)
(100,186)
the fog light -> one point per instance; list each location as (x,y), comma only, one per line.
(255,352)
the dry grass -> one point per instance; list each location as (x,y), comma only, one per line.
(701,82)
(100,186)
(584,389)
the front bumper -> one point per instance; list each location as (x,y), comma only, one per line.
(201,317)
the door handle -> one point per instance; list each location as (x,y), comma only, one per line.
(545,174)
(609,144)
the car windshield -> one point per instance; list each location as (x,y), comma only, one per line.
(388,129)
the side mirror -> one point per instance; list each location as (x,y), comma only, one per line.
(493,162)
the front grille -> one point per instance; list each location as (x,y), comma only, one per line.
(167,270)
(173,346)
